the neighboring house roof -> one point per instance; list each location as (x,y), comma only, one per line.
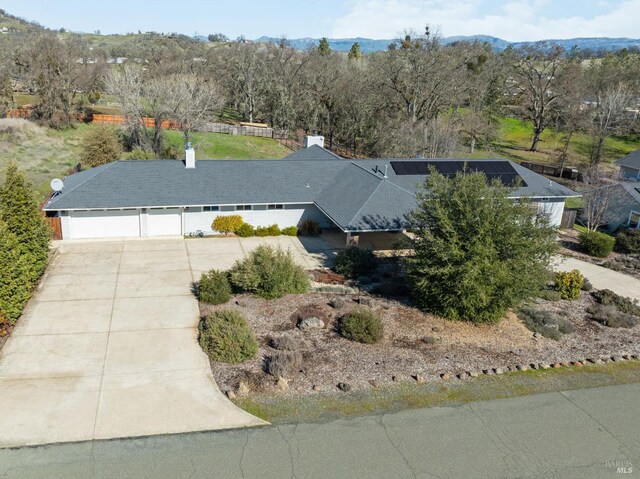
(632,188)
(632,160)
(313,152)
(354,194)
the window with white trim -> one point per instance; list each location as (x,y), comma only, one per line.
(634,219)
(275,207)
(243,208)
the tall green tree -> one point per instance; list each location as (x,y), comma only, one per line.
(100,146)
(477,252)
(355,53)
(22,217)
(323,46)
(15,283)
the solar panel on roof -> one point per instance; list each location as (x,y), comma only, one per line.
(502,170)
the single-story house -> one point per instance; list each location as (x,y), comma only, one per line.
(622,204)
(630,165)
(174,197)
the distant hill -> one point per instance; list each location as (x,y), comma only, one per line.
(368,45)
(14,24)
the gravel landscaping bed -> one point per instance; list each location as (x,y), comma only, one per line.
(416,346)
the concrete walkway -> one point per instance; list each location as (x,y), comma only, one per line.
(602,278)
(108,348)
(590,433)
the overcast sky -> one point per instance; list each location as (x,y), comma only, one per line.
(515,20)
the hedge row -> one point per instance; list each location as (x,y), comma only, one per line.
(24,244)
(234,224)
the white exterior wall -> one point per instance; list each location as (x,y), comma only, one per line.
(195,219)
(554,207)
(65,225)
(144,222)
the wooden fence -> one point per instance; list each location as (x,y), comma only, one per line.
(120,120)
(567,172)
(568,218)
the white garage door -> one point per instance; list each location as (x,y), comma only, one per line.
(165,222)
(104,224)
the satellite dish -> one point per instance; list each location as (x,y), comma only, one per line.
(57,184)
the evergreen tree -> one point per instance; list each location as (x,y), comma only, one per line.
(15,281)
(477,252)
(323,47)
(355,53)
(22,217)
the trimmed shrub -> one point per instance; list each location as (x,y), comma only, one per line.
(586,285)
(290,231)
(21,216)
(596,244)
(285,343)
(608,315)
(625,305)
(353,262)
(270,273)
(549,294)
(628,241)
(569,284)
(246,231)
(272,230)
(282,363)
(362,325)
(309,228)
(546,323)
(226,336)
(15,281)
(100,146)
(139,153)
(214,287)
(227,224)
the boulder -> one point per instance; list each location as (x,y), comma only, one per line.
(419,378)
(310,323)
(444,376)
(344,387)
(337,303)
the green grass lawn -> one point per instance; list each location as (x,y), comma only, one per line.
(44,153)
(514,140)
(214,146)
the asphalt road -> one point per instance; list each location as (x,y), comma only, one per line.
(590,433)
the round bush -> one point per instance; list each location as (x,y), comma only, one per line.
(290,231)
(353,262)
(214,287)
(227,223)
(270,273)
(226,337)
(362,325)
(596,244)
(246,231)
(628,241)
(569,284)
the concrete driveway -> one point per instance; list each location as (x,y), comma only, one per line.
(108,348)
(602,278)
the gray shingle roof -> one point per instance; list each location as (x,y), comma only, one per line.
(313,152)
(353,193)
(632,160)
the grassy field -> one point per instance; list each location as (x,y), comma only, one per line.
(514,140)
(45,153)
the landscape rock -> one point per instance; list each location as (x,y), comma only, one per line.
(472,374)
(364,301)
(436,329)
(231,394)
(419,378)
(591,360)
(626,357)
(344,387)
(395,378)
(282,383)
(498,370)
(488,372)
(616,358)
(243,389)
(533,366)
(634,356)
(578,364)
(543,366)
(461,375)
(522,367)
(556,366)
(337,303)
(445,376)
(315,387)
(310,323)
(537,335)
(374,383)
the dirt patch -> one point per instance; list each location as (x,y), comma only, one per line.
(415,343)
